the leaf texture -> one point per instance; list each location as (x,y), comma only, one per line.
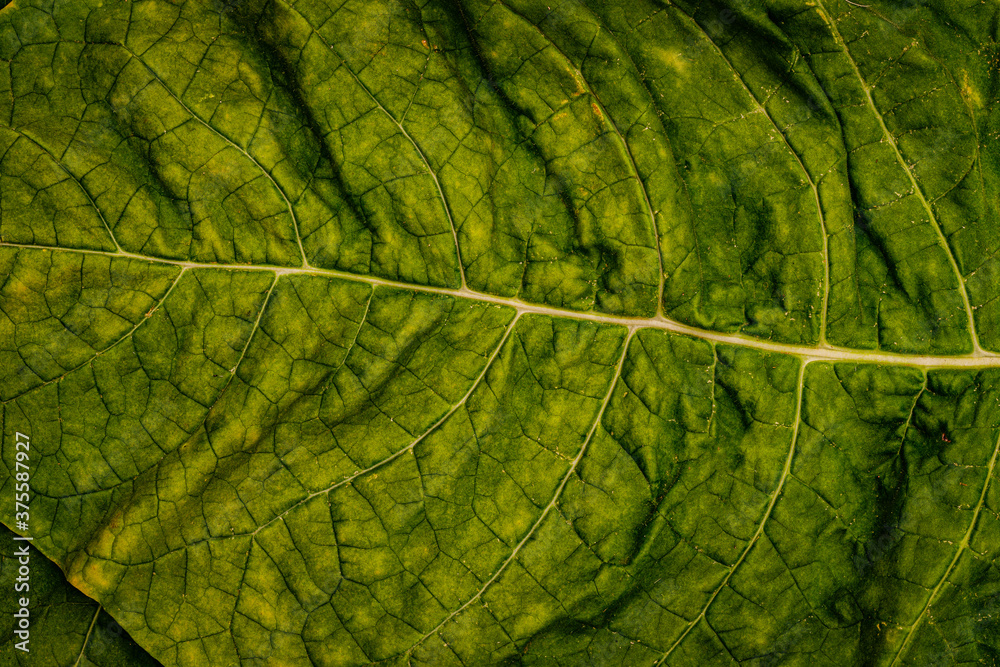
(66,627)
(467,333)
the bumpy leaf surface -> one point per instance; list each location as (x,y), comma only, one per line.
(544,332)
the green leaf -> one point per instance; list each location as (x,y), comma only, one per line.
(551,333)
(65,627)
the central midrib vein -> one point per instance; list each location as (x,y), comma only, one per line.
(980,359)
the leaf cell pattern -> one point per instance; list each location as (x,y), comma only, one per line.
(465,333)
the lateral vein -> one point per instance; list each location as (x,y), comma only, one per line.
(962,546)
(800,389)
(917,190)
(552,502)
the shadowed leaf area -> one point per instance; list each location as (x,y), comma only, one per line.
(65,626)
(573,332)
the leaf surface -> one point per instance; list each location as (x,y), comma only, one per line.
(508,332)
(66,627)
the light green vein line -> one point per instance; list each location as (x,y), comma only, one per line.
(962,546)
(767,514)
(86,639)
(917,190)
(913,409)
(980,359)
(253,331)
(802,166)
(398,124)
(552,502)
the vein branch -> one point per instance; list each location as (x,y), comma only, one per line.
(230,142)
(962,546)
(552,503)
(86,639)
(917,189)
(760,527)
(402,130)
